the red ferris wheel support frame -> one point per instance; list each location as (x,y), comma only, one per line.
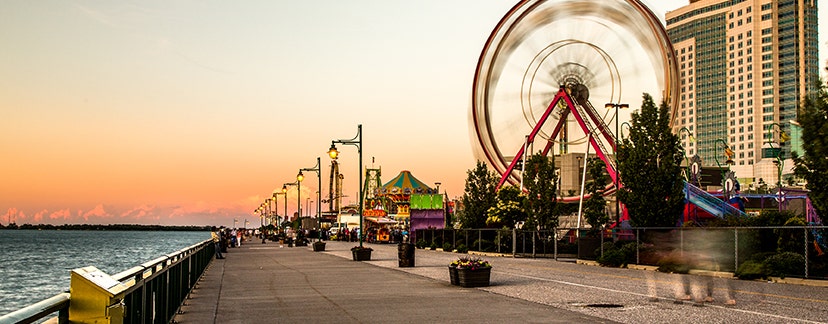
(591,125)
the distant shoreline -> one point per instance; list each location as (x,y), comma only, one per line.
(110,227)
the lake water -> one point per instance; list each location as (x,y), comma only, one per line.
(35,265)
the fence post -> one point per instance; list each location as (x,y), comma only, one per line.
(555,249)
(806,251)
(514,242)
(454,238)
(480,240)
(637,244)
(497,239)
(534,249)
(736,248)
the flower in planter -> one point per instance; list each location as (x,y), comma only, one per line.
(361,248)
(470,263)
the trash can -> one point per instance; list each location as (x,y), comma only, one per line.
(406,254)
(95,297)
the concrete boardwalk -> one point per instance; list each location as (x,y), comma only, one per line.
(263,283)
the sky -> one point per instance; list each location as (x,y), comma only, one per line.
(193,112)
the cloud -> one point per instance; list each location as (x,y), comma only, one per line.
(64,215)
(98,212)
(38,217)
(140,212)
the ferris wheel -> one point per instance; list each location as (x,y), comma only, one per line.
(544,64)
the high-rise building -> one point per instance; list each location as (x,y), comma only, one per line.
(744,67)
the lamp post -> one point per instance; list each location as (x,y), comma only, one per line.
(692,139)
(333,153)
(779,162)
(616,106)
(282,192)
(729,154)
(276,205)
(317,168)
(298,200)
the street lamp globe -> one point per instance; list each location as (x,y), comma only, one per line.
(300,176)
(332,152)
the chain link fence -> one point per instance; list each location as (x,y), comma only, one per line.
(792,251)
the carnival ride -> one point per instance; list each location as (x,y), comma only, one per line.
(543,65)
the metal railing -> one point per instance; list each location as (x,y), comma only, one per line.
(707,248)
(156,289)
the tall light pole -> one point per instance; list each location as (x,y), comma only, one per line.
(276,205)
(729,154)
(282,192)
(318,169)
(691,139)
(298,200)
(333,153)
(269,206)
(779,162)
(616,106)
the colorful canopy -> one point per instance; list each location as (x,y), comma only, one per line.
(405,184)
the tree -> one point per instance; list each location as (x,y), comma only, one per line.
(650,168)
(813,165)
(508,210)
(595,211)
(541,181)
(478,196)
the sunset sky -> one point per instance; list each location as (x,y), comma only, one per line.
(193,112)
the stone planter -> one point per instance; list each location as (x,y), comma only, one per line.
(453,275)
(474,278)
(406,254)
(318,246)
(362,255)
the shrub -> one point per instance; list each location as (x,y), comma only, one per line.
(433,246)
(447,247)
(615,256)
(750,270)
(612,258)
(462,248)
(785,263)
(421,244)
(673,263)
(484,245)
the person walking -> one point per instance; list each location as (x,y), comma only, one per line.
(217,242)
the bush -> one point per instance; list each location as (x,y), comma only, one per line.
(484,245)
(673,263)
(462,248)
(785,263)
(750,270)
(613,258)
(447,247)
(433,246)
(615,255)
(421,244)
